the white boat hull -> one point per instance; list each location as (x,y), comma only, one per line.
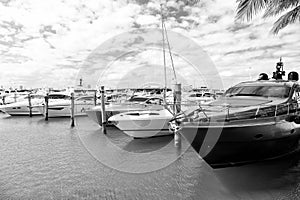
(143,124)
(96,115)
(21,108)
(65,110)
(21,111)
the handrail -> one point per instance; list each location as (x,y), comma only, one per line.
(266,111)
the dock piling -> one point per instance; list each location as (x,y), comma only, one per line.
(3,99)
(95,98)
(46,106)
(103,110)
(29,105)
(177,105)
(15,96)
(72,110)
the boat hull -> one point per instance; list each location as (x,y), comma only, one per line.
(243,143)
(64,110)
(143,124)
(21,111)
(22,108)
(96,114)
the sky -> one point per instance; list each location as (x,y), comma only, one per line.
(49,43)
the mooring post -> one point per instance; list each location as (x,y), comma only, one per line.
(3,99)
(15,96)
(177,103)
(103,110)
(95,98)
(72,109)
(46,106)
(29,105)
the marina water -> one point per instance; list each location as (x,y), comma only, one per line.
(51,160)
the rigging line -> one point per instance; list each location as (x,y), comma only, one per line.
(164,53)
(171,57)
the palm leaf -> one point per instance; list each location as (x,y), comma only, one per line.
(289,18)
(248,8)
(276,7)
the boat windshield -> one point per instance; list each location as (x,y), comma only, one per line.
(263,91)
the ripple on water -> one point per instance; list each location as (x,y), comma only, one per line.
(49,160)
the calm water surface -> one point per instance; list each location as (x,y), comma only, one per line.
(50,160)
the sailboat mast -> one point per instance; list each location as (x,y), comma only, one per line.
(164,52)
(170,53)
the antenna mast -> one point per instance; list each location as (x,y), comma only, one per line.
(279,73)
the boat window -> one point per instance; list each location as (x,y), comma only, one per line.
(59,96)
(86,98)
(37,97)
(153,113)
(264,91)
(196,95)
(207,95)
(154,101)
(134,114)
(137,99)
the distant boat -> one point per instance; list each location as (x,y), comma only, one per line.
(60,105)
(252,121)
(12,97)
(22,107)
(199,97)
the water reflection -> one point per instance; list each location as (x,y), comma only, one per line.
(273,177)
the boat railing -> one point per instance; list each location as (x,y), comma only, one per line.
(242,112)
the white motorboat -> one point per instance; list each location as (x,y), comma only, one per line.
(143,124)
(59,105)
(8,98)
(135,103)
(199,97)
(22,107)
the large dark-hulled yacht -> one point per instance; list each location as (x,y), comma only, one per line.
(252,121)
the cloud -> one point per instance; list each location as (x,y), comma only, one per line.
(51,39)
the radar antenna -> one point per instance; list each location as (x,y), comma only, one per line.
(277,75)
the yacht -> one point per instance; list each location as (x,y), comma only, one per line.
(59,105)
(143,124)
(21,107)
(252,121)
(199,97)
(134,103)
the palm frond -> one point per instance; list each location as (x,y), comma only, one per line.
(248,8)
(276,7)
(288,18)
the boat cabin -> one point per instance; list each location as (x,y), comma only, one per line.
(255,99)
